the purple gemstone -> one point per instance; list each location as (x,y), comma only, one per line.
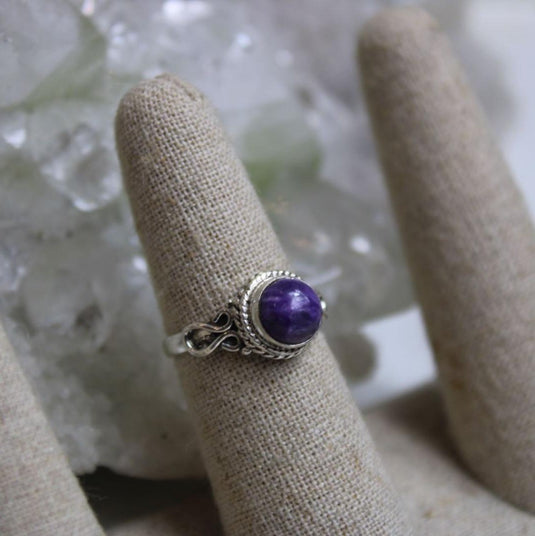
(290,311)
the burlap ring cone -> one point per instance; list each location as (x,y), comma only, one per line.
(39,495)
(285,448)
(469,242)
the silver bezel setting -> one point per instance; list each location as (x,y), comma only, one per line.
(253,334)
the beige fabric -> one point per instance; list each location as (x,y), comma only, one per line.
(444,500)
(469,241)
(285,448)
(39,495)
(410,434)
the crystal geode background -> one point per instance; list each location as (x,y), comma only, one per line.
(74,289)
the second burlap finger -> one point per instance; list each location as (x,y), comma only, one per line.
(469,241)
(39,494)
(285,447)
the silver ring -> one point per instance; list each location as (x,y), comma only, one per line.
(275,316)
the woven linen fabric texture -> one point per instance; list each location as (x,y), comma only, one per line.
(469,241)
(412,439)
(39,495)
(285,447)
(443,498)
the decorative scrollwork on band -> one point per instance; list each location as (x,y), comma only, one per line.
(202,338)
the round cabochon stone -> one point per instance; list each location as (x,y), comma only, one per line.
(290,311)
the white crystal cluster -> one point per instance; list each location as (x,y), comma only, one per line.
(74,288)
